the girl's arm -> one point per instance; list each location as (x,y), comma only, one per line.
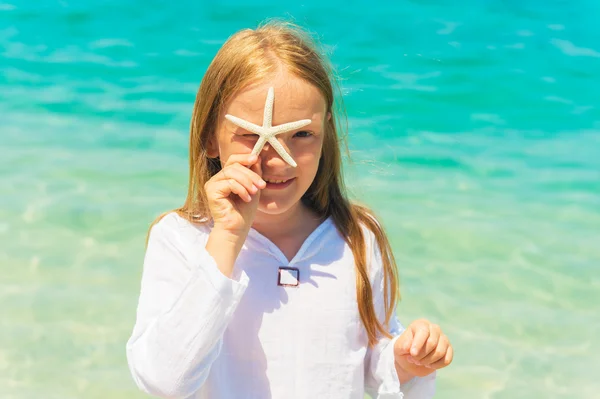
(185,305)
(381,376)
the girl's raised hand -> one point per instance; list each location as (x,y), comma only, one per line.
(421,349)
(234,192)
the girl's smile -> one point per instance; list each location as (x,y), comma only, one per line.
(278,184)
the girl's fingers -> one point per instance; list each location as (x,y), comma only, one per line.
(407,340)
(438,353)
(421,334)
(256,168)
(251,174)
(402,344)
(432,342)
(446,360)
(243,159)
(238,174)
(227,186)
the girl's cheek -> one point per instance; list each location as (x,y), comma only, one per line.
(307,161)
(242,146)
(308,150)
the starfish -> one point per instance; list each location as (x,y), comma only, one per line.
(267,131)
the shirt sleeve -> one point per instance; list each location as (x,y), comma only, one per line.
(184,307)
(381,379)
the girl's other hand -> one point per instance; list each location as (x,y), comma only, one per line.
(234,192)
(421,349)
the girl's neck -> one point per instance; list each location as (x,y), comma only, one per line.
(295,220)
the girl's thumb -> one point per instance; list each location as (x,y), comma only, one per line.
(256,167)
(406,341)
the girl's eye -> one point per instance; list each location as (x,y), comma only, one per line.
(303,133)
(251,135)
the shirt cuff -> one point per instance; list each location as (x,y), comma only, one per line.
(390,385)
(408,384)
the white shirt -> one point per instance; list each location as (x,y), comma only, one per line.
(200,334)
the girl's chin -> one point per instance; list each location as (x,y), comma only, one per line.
(270,207)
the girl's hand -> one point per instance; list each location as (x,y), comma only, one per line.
(234,192)
(421,349)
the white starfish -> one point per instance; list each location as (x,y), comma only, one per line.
(267,131)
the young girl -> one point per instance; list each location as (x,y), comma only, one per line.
(269,282)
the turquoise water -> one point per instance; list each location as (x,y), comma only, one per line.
(475,133)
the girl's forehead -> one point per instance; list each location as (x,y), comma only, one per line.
(294,99)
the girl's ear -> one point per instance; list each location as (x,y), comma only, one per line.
(212,147)
(329,116)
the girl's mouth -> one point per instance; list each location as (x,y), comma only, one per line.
(278,184)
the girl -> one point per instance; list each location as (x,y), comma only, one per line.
(269,282)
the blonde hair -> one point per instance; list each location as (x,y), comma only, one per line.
(251,55)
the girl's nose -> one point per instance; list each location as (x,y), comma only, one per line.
(269,153)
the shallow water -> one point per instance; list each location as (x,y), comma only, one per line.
(475,134)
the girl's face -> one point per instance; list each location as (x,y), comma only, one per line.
(295,99)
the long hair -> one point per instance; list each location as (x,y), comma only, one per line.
(251,55)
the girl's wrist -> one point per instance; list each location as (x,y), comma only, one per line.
(403,374)
(224,246)
(233,236)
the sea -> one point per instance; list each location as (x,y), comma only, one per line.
(473,130)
